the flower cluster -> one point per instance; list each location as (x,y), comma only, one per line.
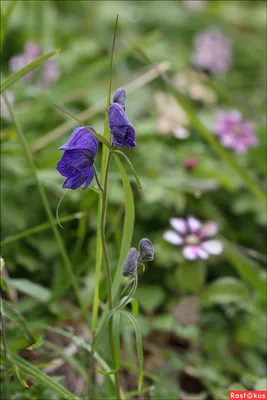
(77,162)
(145,253)
(50,71)
(213,52)
(234,132)
(195,237)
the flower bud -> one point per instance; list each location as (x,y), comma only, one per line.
(120,97)
(130,264)
(146,250)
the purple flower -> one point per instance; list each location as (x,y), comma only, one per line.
(123,133)
(130,264)
(77,161)
(213,51)
(234,132)
(49,70)
(195,237)
(120,97)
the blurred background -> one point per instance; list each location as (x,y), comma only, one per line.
(203,321)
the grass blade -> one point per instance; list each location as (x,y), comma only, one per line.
(246,268)
(139,347)
(28,68)
(28,369)
(131,166)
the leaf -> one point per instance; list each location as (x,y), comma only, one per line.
(128,225)
(39,342)
(97,135)
(11,313)
(191,276)
(139,347)
(127,232)
(115,322)
(225,290)
(28,68)
(150,297)
(131,166)
(42,379)
(31,289)
(248,270)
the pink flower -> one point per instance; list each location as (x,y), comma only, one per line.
(234,132)
(190,163)
(195,5)
(50,71)
(213,51)
(195,237)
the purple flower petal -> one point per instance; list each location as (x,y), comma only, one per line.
(123,133)
(74,181)
(82,139)
(209,229)
(172,237)
(78,159)
(193,252)
(120,97)
(190,252)
(213,247)
(178,224)
(194,224)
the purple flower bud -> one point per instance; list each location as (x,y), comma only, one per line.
(77,161)
(120,97)
(130,264)
(146,250)
(123,133)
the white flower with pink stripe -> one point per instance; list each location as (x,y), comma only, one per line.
(195,237)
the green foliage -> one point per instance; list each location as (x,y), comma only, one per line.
(196,350)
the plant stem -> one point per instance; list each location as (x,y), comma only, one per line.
(47,207)
(4,346)
(108,273)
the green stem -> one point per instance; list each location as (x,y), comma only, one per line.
(47,207)
(108,273)
(5,347)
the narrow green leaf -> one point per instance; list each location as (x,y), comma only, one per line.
(135,307)
(11,313)
(247,269)
(127,232)
(30,67)
(30,370)
(97,135)
(78,341)
(128,225)
(101,329)
(39,342)
(225,290)
(131,166)
(32,289)
(139,347)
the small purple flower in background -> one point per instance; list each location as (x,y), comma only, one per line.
(195,237)
(123,133)
(50,71)
(77,161)
(195,5)
(234,132)
(120,97)
(213,51)
(190,163)
(3,108)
